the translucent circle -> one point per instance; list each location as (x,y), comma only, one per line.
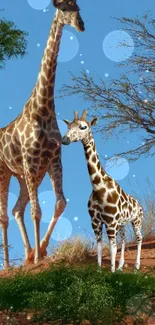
(118,168)
(62,229)
(118,46)
(47,202)
(69,47)
(62,127)
(39,4)
(12,199)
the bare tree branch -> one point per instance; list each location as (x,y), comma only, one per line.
(127,103)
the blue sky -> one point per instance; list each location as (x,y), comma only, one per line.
(88,51)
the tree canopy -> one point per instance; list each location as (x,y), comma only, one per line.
(12,41)
(127,102)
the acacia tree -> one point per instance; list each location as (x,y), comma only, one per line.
(12,41)
(126,103)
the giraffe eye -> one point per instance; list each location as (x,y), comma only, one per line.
(83,127)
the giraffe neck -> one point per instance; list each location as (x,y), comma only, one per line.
(96,172)
(43,93)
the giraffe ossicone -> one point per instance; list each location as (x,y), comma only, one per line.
(108,204)
(30,145)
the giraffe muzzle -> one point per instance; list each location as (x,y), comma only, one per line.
(81,26)
(65,140)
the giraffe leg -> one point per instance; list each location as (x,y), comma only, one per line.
(122,234)
(113,252)
(32,187)
(18,212)
(136,224)
(98,233)
(4,187)
(5,243)
(112,233)
(55,173)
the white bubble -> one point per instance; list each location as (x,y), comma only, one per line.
(62,127)
(128,141)
(10,107)
(38,44)
(106,74)
(12,199)
(80,54)
(117,168)
(69,46)
(67,200)
(145,100)
(82,62)
(105,156)
(118,46)
(87,71)
(76,218)
(134,175)
(62,230)
(39,4)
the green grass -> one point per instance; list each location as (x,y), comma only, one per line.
(75,294)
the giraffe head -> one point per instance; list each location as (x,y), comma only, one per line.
(68,13)
(79,129)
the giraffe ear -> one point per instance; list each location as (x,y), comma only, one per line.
(94,121)
(59,5)
(67,122)
(54,3)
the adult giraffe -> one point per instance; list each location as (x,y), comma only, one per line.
(30,145)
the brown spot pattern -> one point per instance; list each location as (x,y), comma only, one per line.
(91,169)
(112,197)
(94,158)
(109,209)
(97,180)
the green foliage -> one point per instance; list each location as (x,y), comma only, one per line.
(73,295)
(12,41)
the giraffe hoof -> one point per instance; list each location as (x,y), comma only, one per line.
(136,267)
(31,257)
(43,251)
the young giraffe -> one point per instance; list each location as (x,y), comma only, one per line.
(108,204)
(30,146)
